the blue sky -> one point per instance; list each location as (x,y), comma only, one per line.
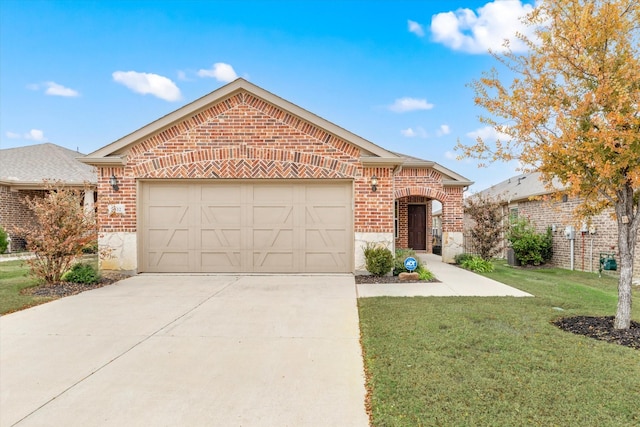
(82,74)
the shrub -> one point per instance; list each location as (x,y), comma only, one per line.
(61,229)
(398,262)
(424,273)
(81,273)
(488,224)
(460,258)
(529,246)
(477,264)
(91,247)
(378,258)
(4,241)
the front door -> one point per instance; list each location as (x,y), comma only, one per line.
(418,227)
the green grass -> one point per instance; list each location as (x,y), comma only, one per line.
(14,277)
(462,361)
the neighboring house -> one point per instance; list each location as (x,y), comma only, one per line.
(244,181)
(23,172)
(524,196)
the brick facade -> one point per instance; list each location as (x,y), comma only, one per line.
(243,136)
(587,247)
(14,212)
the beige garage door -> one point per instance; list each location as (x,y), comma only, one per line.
(246,226)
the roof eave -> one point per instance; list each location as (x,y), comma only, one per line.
(116,161)
(370,161)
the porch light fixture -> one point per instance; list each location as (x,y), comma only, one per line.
(113,181)
(374,183)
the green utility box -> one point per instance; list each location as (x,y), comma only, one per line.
(608,262)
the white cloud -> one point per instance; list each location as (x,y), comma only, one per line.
(488,134)
(450,155)
(418,132)
(182,75)
(220,71)
(403,105)
(476,33)
(35,135)
(54,89)
(32,135)
(443,130)
(415,28)
(149,83)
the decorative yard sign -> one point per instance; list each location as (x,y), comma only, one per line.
(410,264)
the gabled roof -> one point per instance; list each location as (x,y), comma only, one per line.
(519,187)
(112,153)
(28,167)
(450,178)
(371,154)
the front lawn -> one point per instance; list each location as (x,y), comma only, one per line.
(461,361)
(14,277)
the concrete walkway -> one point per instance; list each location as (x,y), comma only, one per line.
(454,281)
(188,350)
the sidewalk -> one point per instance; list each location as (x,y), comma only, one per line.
(454,281)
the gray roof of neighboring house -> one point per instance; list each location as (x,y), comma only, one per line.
(519,187)
(31,165)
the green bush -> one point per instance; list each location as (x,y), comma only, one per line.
(81,273)
(398,262)
(91,247)
(378,258)
(477,264)
(460,258)
(4,241)
(529,246)
(424,273)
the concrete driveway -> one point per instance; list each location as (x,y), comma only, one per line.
(195,350)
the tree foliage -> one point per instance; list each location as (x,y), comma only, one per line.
(488,224)
(572,112)
(62,229)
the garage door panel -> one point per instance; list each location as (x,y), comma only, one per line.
(248,226)
(220,238)
(221,215)
(229,194)
(321,262)
(220,261)
(168,238)
(170,262)
(273,262)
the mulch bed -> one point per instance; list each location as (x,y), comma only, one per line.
(601,328)
(360,279)
(65,289)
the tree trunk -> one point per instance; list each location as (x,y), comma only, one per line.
(628,219)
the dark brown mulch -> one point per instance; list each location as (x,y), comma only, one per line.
(601,328)
(360,279)
(65,289)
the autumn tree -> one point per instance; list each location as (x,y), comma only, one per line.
(62,228)
(572,113)
(488,224)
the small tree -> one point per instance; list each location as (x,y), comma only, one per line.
(489,225)
(571,112)
(62,228)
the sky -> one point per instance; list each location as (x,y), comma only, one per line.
(82,74)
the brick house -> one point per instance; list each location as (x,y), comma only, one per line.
(241,180)
(23,172)
(523,195)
